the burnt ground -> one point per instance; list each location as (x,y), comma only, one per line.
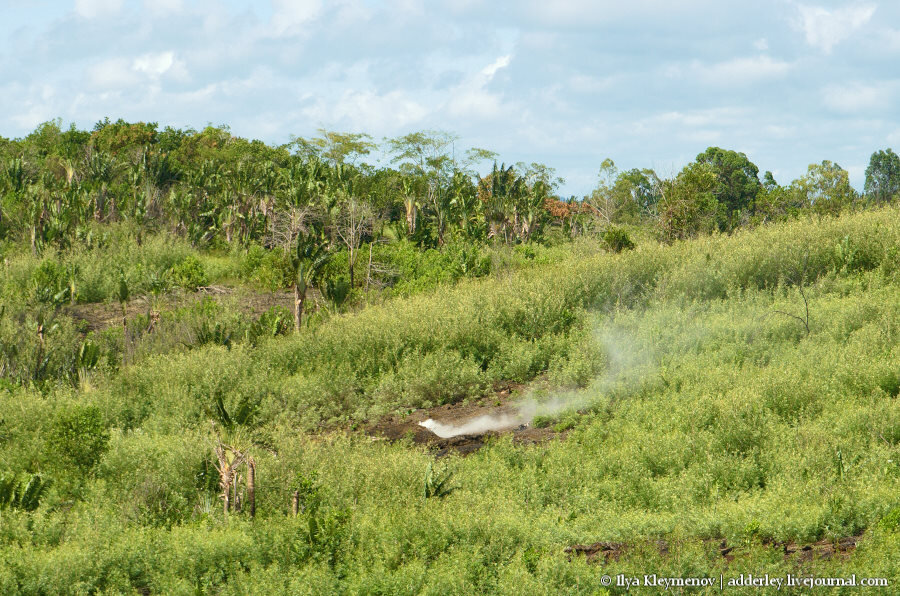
(398,427)
(97,316)
(604,552)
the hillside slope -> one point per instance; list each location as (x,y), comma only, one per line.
(726,401)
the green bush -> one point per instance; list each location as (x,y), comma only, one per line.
(432,379)
(272,323)
(78,436)
(616,239)
(50,283)
(188,274)
(268,269)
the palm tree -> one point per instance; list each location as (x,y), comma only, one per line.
(102,170)
(14,179)
(310,256)
(466,207)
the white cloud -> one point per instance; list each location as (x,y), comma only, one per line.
(739,71)
(857,174)
(32,115)
(581,12)
(154,64)
(369,111)
(857,97)
(289,16)
(112,73)
(91,9)
(761,44)
(692,122)
(889,39)
(161,8)
(590,84)
(409,7)
(471,97)
(462,5)
(746,70)
(777,131)
(118,73)
(826,28)
(349,12)
(476,103)
(490,70)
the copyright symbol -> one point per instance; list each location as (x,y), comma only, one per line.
(605,580)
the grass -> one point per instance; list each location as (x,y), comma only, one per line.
(702,415)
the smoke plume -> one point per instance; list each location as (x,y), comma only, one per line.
(620,358)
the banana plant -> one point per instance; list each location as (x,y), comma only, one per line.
(466,208)
(231,458)
(309,257)
(24,495)
(13,182)
(102,170)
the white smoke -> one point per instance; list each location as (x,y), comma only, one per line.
(621,358)
(475,426)
(524,414)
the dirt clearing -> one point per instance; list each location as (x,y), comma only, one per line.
(408,427)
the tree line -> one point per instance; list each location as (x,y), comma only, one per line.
(218,189)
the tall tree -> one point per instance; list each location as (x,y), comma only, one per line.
(775,202)
(688,205)
(342,147)
(825,188)
(637,193)
(883,176)
(737,182)
(354,221)
(602,198)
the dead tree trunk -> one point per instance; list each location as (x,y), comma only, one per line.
(299,297)
(226,488)
(40,353)
(369,268)
(251,486)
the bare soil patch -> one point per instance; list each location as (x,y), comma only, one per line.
(97,316)
(604,552)
(398,427)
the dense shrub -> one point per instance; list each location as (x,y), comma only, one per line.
(189,273)
(616,239)
(78,436)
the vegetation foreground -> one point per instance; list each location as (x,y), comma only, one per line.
(703,414)
(200,336)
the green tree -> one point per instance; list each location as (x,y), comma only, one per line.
(603,198)
(737,182)
(825,188)
(774,202)
(114,137)
(427,159)
(883,176)
(502,191)
(342,147)
(688,205)
(637,193)
(622,197)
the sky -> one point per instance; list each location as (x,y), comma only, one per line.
(568,83)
